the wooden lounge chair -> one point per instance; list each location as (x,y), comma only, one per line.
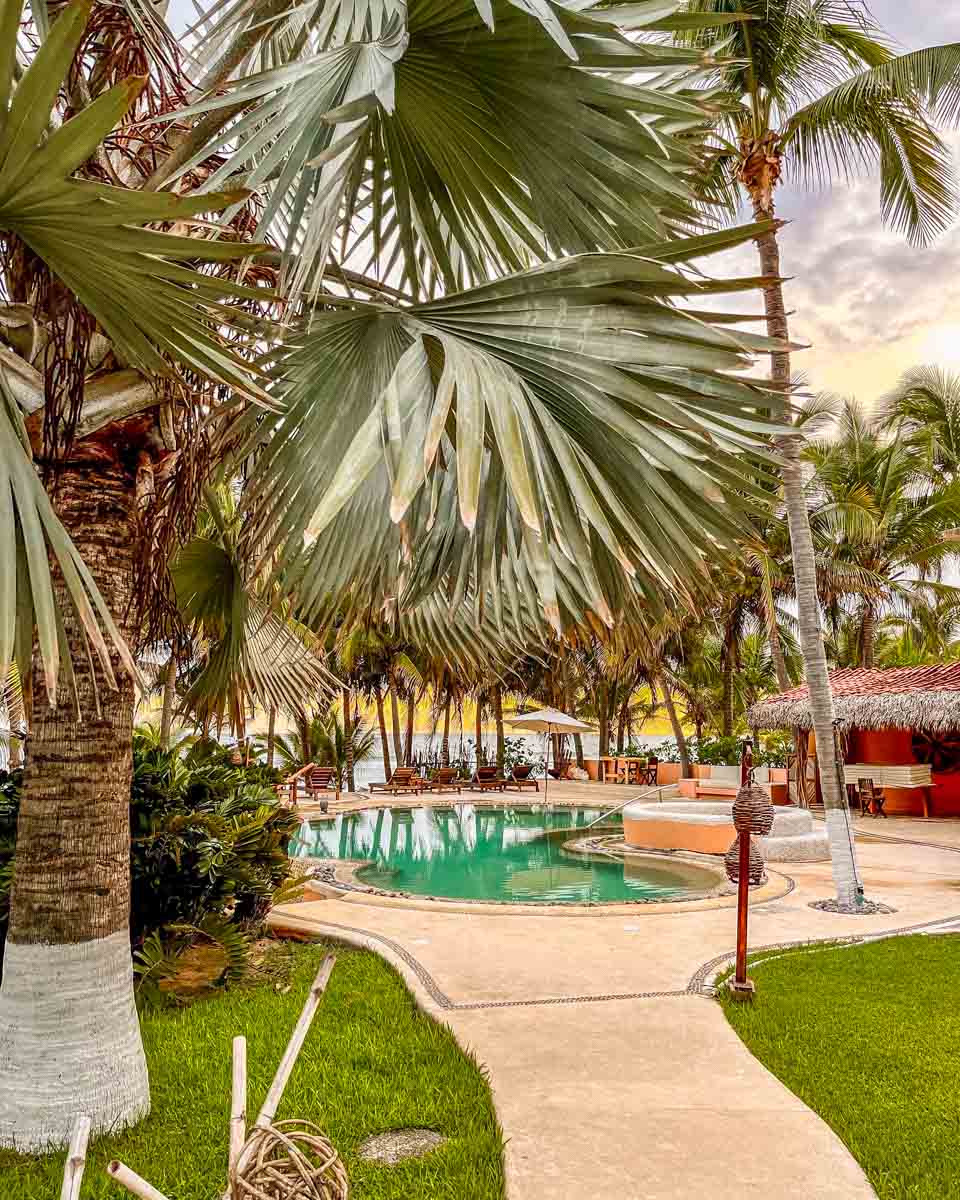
(486,779)
(310,781)
(444,780)
(404,779)
(520,782)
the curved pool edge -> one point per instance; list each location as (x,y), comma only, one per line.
(347,890)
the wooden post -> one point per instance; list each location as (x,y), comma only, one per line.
(294,1046)
(133,1183)
(238,1111)
(76,1160)
(741,987)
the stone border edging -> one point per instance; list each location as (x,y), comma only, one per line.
(710,970)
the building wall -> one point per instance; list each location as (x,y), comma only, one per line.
(896,746)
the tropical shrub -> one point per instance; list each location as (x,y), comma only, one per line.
(208,839)
(208,847)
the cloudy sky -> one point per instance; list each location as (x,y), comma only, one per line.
(869,304)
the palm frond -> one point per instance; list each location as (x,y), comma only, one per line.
(565,430)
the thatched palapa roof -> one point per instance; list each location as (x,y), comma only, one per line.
(921,698)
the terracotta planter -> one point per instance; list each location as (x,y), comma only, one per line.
(522,771)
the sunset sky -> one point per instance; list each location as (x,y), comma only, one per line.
(870,304)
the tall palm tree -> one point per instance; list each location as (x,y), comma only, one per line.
(878,510)
(467,423)
(818,92)
(924,409)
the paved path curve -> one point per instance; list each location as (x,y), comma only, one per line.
(615,1076)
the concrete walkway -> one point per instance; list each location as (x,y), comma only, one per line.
(614,1074)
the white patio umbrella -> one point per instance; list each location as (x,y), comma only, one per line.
(548,720)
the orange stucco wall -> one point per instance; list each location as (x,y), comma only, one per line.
(896,746)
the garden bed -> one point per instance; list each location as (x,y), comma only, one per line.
(372,1063)
(867,1036)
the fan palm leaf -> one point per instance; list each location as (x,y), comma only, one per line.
(526,436)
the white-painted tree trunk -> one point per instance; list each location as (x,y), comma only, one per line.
(842,855)
(69,1042)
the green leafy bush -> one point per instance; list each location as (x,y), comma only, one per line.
(208,844)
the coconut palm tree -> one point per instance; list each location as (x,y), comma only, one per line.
(468,423)
(924,409)
(820,94)
(878,510)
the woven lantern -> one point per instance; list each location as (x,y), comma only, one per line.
(752,811)
(731,861)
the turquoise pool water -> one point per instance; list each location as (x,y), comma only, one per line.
(507,854)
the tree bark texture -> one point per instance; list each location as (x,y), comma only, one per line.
(867,636)
(678,735)
(348,738)
(843,860)
(498,721)
(384,740)
(395,724)
(408,734)
(271,734)
(478,734)
(69,1035)
(445,740)
(726,713)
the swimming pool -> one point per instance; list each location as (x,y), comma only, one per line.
(507,854)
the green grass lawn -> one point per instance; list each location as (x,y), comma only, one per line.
(372,1062)
(869,1037)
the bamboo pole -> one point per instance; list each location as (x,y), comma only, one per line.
(133,1183)
(294,1046)
(238,1111)
(76,1159)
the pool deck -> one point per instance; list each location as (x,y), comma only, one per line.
(615,1075)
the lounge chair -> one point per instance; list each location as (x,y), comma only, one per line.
(312,779)
(520,782)
(444,780)
(404,779)
(486,779)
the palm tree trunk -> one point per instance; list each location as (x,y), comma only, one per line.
(271,734)
(395,724)
(69,1035)
(842,856)
(773,634)
(445,740)
(384,740)
(348,738)
(478,733)
(727,703)
(169,694)
(867,636)
(621,725)
(408,736)
(498,721)
(678,735)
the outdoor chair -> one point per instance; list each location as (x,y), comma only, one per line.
(444,780)
(521,781)
(648,774)
(562,764)
(313,780)
(404,779)
(872,799)
(486,779)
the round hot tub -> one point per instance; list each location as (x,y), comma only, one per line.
(706,827)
